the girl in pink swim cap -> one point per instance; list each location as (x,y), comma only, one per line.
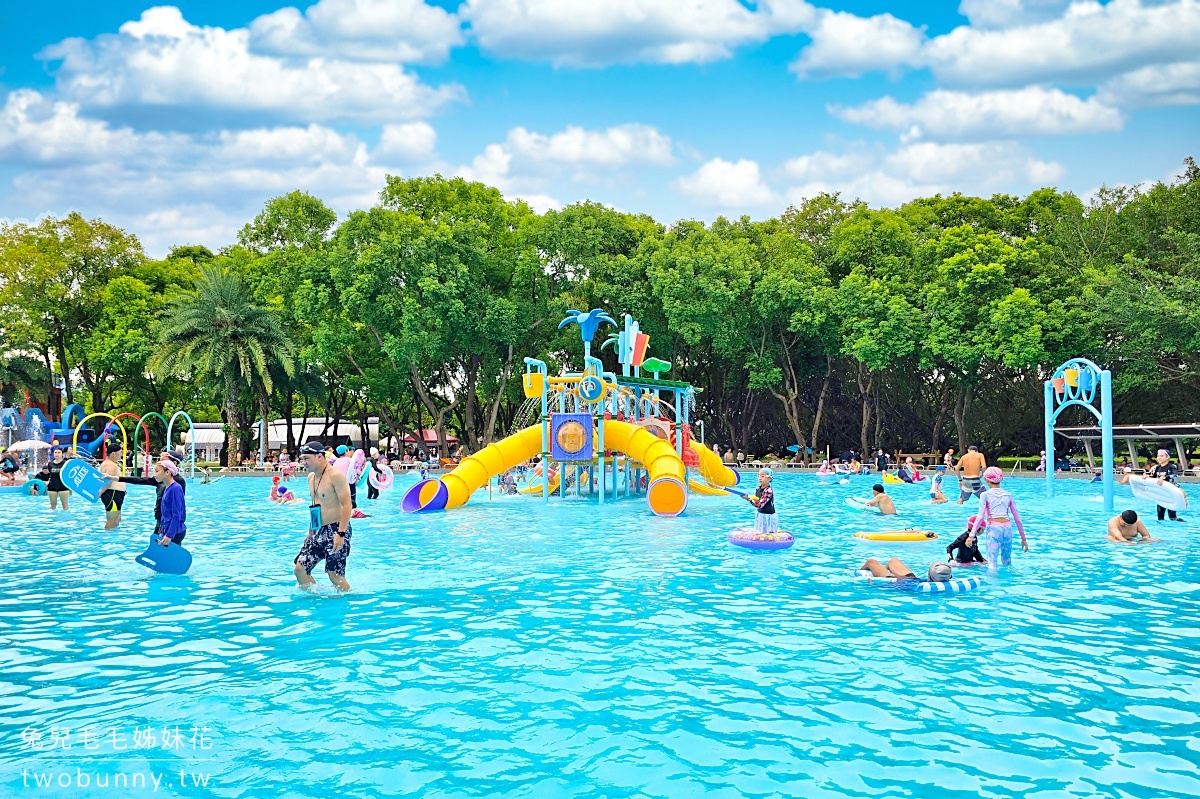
(996,515)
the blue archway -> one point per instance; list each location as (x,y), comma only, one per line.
(1076,384)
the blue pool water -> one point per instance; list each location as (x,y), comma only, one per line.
(511,648)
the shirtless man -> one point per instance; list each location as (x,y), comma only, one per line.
(113,495)
(970,467)
(1126,527)
(882,501)
(329,520)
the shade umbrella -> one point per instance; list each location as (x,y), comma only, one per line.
(28,445)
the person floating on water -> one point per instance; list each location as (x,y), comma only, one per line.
(329,530)
(882,501)
(970,467)
(113,495)
(996,515)
(51,475)
(172,524)
(176,458)
(965,548)
(766,520)
(897,570)
(1125,528)
(936,497)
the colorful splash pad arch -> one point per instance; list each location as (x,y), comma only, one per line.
(1076,384)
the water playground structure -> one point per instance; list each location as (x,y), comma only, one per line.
(74,432)
(598,432)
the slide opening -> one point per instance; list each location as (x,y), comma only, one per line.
(427,495)
(667,496)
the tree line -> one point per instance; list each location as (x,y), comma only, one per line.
(835,324)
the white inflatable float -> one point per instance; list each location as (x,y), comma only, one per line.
(1168,495)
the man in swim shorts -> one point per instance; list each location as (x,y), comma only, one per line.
(970,470)
(113,495)
(329,531)
(1125,528)
(882,501)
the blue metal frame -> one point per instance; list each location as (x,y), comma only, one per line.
(1090,379)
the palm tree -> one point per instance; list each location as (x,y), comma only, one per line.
(218,335)
(588,323)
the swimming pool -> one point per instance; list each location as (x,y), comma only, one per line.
(511,648)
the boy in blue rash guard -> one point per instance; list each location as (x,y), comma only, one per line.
(936,497)
(173,524)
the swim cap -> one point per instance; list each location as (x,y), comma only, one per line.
(971,522)
(170,467)
(993,474)
(767,471)
(877,488)
(374,451)
(312,447)
(939,573)
(1129,516)
(942,468)
(341,450)
(174,454)
(275,479)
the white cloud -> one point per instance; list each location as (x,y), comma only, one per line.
(731,185)
(921,170)
(171,188)
(619,146)
(1008,13)
(589,33)
(410,143)
(943,114)
(821,165)
(847,45)
(1011,43)
(161,60)
(526,161)
(1169,84)
(1088,43)
(407,31)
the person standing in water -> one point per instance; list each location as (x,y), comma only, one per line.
(173,522)
(1125,528)
(970,467)
(996,515)
(113,495)
(329,531)
(766,520)
(167,455)
(51,475)
(1161,470)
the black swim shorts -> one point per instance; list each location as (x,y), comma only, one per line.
(319,547)
(112,500)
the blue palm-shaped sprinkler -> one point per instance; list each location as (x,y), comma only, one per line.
(588,323)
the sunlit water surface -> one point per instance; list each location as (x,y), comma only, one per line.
(510,648)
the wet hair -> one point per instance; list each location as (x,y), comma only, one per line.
(973,448)
(877,488)
(1129,516)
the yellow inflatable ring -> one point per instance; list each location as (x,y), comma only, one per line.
(892,480)
(898,535)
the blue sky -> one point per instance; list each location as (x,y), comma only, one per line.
(177,122)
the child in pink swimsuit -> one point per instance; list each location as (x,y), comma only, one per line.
(997,512)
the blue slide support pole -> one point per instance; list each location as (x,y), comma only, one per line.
(1049,439)
(1106,432)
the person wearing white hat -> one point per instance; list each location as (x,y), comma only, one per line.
(766,520)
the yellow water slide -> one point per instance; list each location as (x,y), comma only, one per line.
(715,473)
(473,473)
(666,491)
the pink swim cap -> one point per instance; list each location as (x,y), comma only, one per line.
(993,474)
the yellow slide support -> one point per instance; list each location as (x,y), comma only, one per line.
(666,492)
